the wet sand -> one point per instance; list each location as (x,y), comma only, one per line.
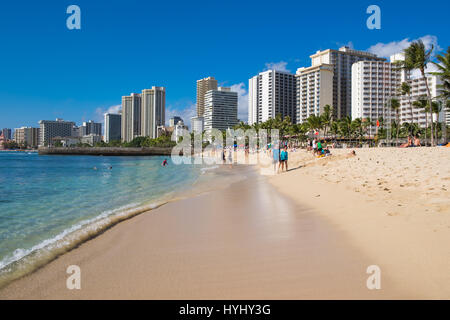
(246,241)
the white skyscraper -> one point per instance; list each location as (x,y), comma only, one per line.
(314,90)
(153,111)
(270,93)
(220,109)
(374,83)
(131,117)
(342,61)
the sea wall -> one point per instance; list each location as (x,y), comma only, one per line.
(106,151)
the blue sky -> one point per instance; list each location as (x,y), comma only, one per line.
(48,71)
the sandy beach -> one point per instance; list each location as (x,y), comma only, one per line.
(394,205)
(309,233)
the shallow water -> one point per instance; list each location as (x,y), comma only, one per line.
(51,202)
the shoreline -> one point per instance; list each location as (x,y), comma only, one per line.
(41,254)
(243,241)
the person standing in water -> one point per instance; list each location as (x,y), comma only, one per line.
(164,163)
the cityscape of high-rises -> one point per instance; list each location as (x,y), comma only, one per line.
(354,83)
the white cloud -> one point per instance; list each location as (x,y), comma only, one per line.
(100,112)
(388,49)
(185,113)
(279,66)
(242,100)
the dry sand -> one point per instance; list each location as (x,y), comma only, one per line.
(394,205)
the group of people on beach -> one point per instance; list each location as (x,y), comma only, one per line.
(317,148)
(412,142)
(279,157)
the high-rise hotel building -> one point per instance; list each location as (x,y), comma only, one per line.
(270,93)
(113,127)
(374,83)
(314,90)
(131,117)
(153,111)
(342,61)
(143,113)
(221,108)
(203,86)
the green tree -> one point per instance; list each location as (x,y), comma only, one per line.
(405,90)
(417,57)
(395,106)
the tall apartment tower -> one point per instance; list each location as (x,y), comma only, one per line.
(221,107)
(203,86)
(374,83)
(271,92)
(342,61)
(113,127)
(153,111)
(314,90)
(131,117)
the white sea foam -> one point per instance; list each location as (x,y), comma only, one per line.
(22,261)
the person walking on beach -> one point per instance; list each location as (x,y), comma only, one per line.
(284,159)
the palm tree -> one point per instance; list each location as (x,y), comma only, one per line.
(314,122)
(422,103)
(405,89)
(357,126)
(436,108)
(395,106)
(444,73)
(345,126)
(417,57)
(327,118)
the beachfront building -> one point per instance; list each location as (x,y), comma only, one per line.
(153,111)
(174,120)
(91,127)
(374,83)
(419,91)
(6,133)
(131,117)
(270,93)
(113,127)
(50,129)
(314,90)
(178,130)
(221,108)
(197,124)
(342,61)
(203,86)
(27,136)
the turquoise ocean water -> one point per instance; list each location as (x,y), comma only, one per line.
(49,204)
